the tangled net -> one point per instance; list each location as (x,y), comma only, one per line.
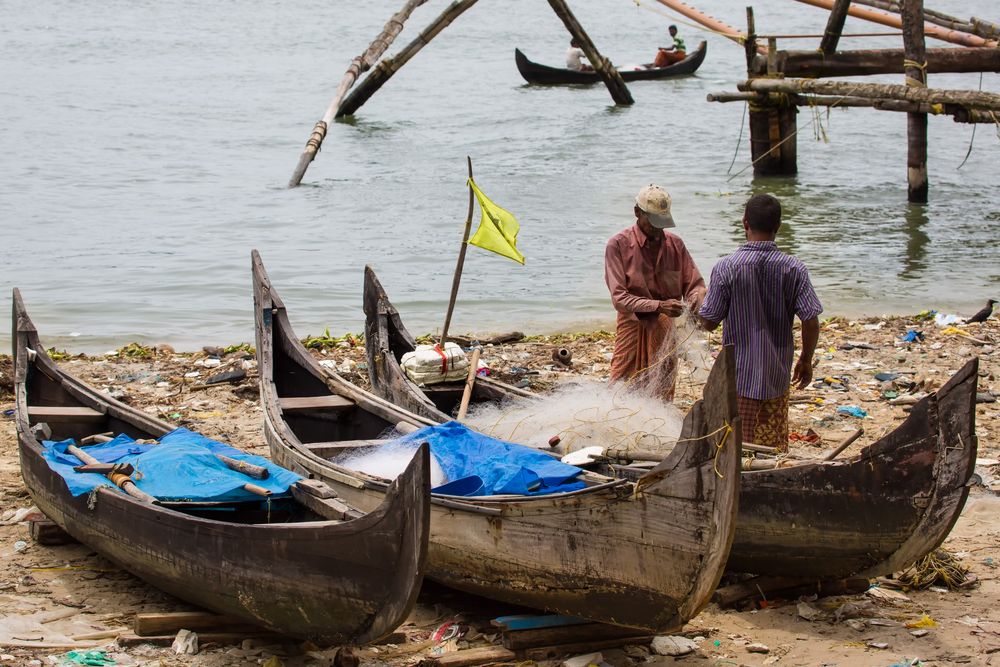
(941,568)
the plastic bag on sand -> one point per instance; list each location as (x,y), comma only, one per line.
(96,658)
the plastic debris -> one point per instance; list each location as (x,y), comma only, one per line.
(913,336)
(91,658)
(583,660)
(185,643)
(20,546)
(852,410)
(943,320)
(924,621)
(887,376)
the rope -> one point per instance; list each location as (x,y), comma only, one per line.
(910,81)
(740,139)
(973,137)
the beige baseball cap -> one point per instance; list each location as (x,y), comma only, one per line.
(655,203)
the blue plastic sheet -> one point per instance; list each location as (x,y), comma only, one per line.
(182,466)
(478,465)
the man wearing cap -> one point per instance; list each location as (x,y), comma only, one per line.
(758,291)
(651,277)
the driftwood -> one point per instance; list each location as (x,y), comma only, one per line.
(761,587)
(470,657)
(541,653)
(942,34)
(160,623)
(975,99)
(389,66)
(612,79)
(360,64)
(521,639)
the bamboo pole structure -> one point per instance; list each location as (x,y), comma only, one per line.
(942,34)
(457,279)
(958,113)
(710,22)
(834,26)
(916,122)
(360,64)
(612,79)
(773,123)
(971,99)
(387,67)
(470,381)
(813,64)
(973,26)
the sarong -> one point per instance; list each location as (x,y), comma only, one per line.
(664,58)
(645,356)
(765,422)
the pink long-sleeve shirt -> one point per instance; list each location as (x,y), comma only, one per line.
(640,272)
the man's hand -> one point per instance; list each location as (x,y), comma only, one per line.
(803,373)
(671,307)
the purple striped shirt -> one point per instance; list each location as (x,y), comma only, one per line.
(758,291)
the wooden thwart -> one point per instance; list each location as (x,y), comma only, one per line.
(306,403)
(54,414)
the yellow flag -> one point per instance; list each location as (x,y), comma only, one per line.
(497,230)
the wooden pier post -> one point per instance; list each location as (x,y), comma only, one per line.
(612,79)
(773,146)
(915,71)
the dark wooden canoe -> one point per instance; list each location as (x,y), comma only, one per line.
(387,340)
(871,514)
(536,73)
(305,566)
(646,554)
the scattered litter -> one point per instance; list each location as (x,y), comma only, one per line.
(20,546)
(943,320)
(924,621)
(919,633)
(810,612)
(879,645)
(233,375)
(886,595)
(810,437)
(854,345)
(887,376)
(939,567)
(671,645)
(185,643)
(913,336)
(757,648)
(852,609)
(852,410)
(90,658)
(856,625)
(583,660)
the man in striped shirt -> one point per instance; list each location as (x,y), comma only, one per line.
(757,291)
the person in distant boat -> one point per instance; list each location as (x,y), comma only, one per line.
(652,279)
(575,57)
(757,291)
(674,52)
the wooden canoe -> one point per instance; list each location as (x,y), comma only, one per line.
(871,514)
(306,566)
(537,73)
(646,554)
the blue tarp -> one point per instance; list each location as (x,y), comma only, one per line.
(478,465)
(182,467)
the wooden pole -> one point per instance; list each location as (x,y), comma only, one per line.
(967,98)
(916,123)
(123,482)
(360,64)
(942,34)
(847,442)
(974,26)
(710,22)
(863,62)
(750,45)
(612,79)
(469,383)
(389,66)
(834,26)
(456,281)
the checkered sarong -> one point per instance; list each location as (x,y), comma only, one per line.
(765,422)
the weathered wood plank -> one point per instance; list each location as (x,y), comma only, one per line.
(305,403)
(60,413)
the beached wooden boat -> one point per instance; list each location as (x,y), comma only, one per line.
(645,554)
(306,566)
(537,73)
(874,513)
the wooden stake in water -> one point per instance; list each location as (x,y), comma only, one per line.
(461,262)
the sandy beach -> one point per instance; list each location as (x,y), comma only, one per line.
(80,593)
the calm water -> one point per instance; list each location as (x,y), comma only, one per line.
(145,148)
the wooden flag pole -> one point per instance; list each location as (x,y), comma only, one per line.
(360,64)
(461,262)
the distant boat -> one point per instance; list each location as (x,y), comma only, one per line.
(535,73)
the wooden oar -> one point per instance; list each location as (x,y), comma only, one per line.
(123,482)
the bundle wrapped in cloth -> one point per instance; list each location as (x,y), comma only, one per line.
(430,364)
